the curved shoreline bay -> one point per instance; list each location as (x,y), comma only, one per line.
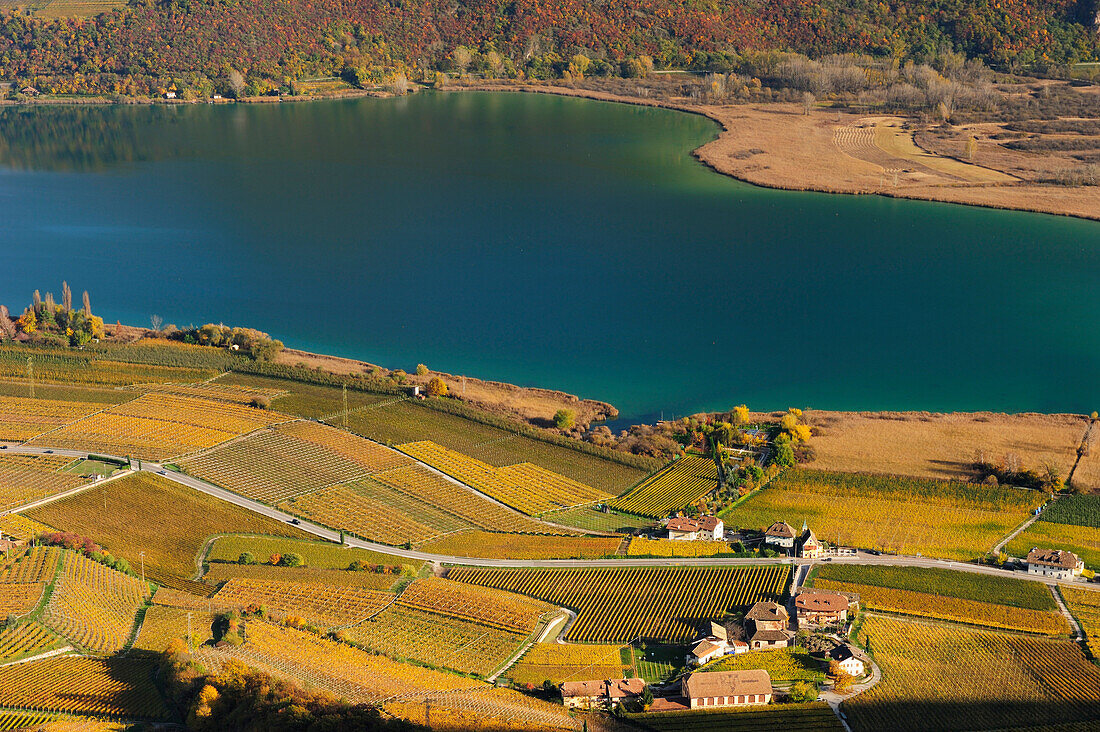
(547,241)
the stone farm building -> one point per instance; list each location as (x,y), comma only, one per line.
(727,688)
(1056,563)
(708,528)
(600,693)
(851,660)
(767,625)
(821,607)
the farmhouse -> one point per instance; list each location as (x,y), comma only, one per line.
(1056,563)
(709,528)
(767,626)
(780,535)
(715,645)
(600,693)
(820,607)
(808,545)
(727,688)
(29,91)
(851,660)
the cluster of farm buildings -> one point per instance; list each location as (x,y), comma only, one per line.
(766,626)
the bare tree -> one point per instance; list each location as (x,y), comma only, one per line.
(36,299)
(808,100)
(235,79)
(7,327)
(156,321)
(400,84)
(51,305)
(66,297)
(87,305)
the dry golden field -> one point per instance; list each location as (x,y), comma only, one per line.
(927,445)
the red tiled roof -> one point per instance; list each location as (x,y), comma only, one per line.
(1058,558)
(821,601)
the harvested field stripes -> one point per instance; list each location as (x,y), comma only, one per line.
(160,426)
(23,720)
(621,605)
(680,484)
(320,604)
(115,687)
(480,604)
(525,487)
(22,419)
(163,625)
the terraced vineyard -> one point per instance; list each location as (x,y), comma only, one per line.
(406,633)
(220,572)
(210,390)
(483,605)
(291,459)
(560,662)
(680,484)
(185,519)
(1085,606)
(21,419)
(374,511)
(112,366)
(366,678)
(783,665)
(1084,541)
(525,487)
(422,484)
(938,676)
(163,624)
(36,564)
(405,421)
(317,604)
(946,519)
(621,605)
(159,426)
(92,605)
(117,687)
(24,478)
(21,527)
(25,639)
(16,599)
(512,546)
(955,609)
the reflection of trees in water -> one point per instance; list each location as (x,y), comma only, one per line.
(89,138)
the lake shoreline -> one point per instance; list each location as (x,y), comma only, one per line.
(771,169)
(800,162)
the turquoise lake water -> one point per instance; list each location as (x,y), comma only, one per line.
(546,241)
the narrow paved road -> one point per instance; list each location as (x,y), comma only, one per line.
(1019,530)
(865,558)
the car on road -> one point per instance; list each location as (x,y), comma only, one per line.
(295,521)
(49,452)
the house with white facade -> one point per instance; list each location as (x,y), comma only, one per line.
(780,536)
(727,688)
(706,528)
(1056,563)
(850,659)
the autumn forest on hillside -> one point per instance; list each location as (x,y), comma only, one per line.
(248,47)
